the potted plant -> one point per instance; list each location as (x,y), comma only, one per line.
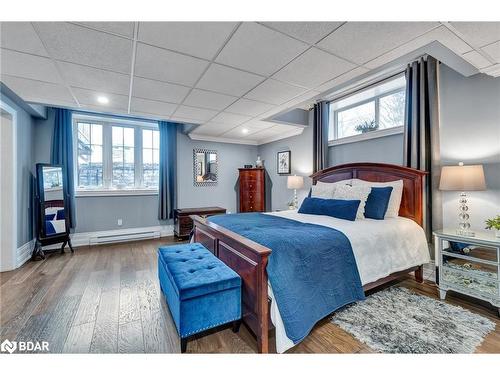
(367,126)
(494,223)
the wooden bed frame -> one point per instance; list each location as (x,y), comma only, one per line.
(249,259)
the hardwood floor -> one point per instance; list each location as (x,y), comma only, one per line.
(106,299)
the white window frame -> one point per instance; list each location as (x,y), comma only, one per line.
(370,135)
(107,123)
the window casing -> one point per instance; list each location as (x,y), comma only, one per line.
(369,113)
(114,156)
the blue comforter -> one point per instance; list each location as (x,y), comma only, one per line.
(312,268)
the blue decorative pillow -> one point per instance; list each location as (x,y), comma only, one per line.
(60,215)
(377,202)
(339,208)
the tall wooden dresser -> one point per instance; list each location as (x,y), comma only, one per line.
(252,190)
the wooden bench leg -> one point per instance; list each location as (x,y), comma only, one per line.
(184,343)
(236,326)
(419,274)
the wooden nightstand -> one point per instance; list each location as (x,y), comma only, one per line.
(471,268)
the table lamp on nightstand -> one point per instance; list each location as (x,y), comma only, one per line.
(463,178)
(295,182)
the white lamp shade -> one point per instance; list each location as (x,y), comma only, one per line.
(462,178)
(295,182)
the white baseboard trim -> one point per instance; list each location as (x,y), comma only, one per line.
(24,253)
(117,236)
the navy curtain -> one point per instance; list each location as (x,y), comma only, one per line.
(62,154)
(320,135)
(168,169)
(421,134)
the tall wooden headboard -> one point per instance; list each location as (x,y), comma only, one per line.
(411,203)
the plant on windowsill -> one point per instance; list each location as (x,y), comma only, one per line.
(367,126)
(494,223)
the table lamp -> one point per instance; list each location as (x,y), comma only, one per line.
(463,178)
(295,182)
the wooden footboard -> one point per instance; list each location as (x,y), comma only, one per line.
(249,260)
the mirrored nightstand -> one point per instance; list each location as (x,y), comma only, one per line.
(469,265)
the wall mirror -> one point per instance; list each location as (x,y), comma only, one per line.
(52,218)
(205,167)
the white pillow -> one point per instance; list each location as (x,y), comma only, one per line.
(396,194)
(360,193)
(325,189)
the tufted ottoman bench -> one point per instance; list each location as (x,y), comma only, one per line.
(201,291)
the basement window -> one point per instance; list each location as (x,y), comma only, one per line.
(115,156)
(372,112)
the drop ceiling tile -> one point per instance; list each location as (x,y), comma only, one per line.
(94,79)
(184,120)
(201,39)
(258,49)
(262,135)
(441,34)
(479,33)
(362,41)
(39,92)
(476,59)
(21,36)
(104,109)
(239,132)
(28,66)
(152,106)
(201,114)
(310,32)
(208,99)
(337,81)
(73,43)
(157,90)
(249,107)
(312,68)
(274,92)
(121,28)
(212,129)
(258,124)
(230,118)
(89,97)
(228,80)
(156,63)
(303,101)
(493,50)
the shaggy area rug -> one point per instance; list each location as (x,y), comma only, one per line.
(397,320)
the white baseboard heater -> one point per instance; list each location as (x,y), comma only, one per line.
(124,237)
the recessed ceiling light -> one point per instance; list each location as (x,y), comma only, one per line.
(244,130)
(102,100)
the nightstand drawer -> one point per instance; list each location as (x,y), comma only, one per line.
(479,252)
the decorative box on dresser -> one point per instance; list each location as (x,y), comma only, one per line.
(471,266)
(183,224)
(252,190)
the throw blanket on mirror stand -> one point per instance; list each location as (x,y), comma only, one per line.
(312,269)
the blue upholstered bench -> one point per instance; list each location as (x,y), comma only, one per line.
(201,291)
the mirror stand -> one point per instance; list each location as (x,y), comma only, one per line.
(52,222)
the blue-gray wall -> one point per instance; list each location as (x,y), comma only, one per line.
(388,149)
(470,132)
(102,213)
(25,171)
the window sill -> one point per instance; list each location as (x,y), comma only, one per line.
(114,193)
(367,136)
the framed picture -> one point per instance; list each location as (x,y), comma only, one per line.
(284,166)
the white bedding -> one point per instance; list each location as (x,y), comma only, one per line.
(381,247)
